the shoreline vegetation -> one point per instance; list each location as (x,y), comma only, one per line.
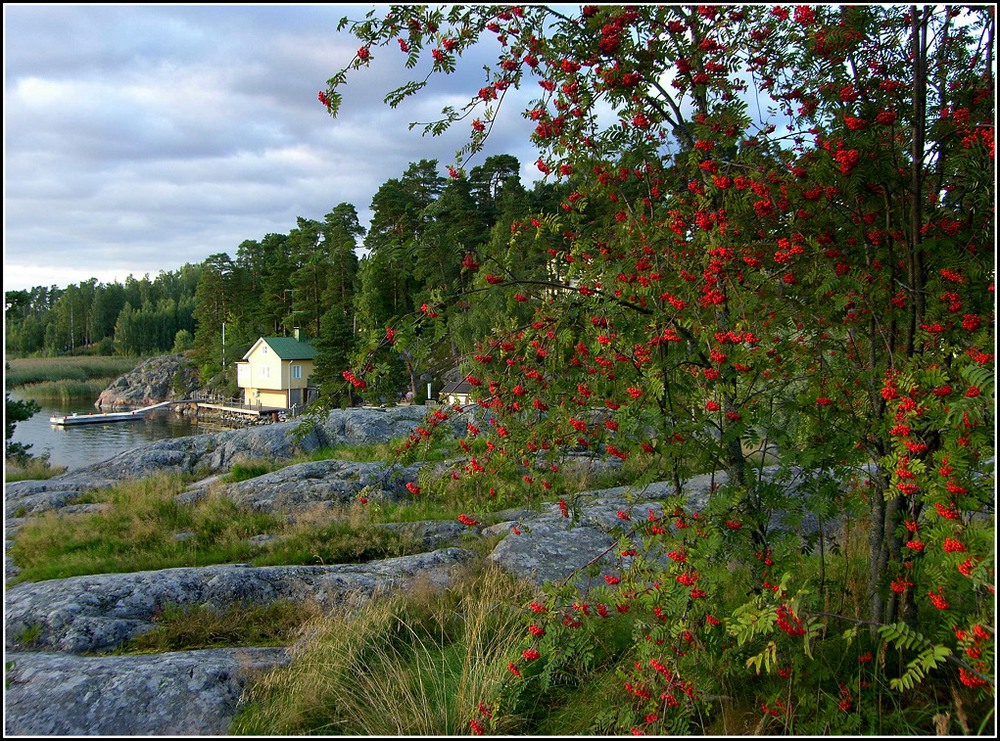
(90,369)
(64,391)
(65,379)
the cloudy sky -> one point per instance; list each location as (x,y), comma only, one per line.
(141,138)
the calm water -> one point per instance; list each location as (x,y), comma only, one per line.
(75,447)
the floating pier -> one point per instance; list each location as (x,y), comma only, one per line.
(103,417)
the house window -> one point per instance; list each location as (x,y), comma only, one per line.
(297,372)
(265,372)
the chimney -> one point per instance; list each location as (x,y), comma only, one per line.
(295,332)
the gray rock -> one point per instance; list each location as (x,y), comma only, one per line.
(551,549)
(197,692)
(431,533)
(23,498)
(181,693)
(365,425)
(501,528)
(217,453)
(176,455)
(99,612)
(328,482)
(158,379)
(546,546)
(589,464)
(10,569)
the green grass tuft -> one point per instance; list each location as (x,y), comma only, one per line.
(417,664)
(244,471)
(184,629)
(34,468)
(142,526)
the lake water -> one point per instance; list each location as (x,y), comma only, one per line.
(81,445)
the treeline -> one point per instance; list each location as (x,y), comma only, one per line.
(139,317)
(428,234)
(426,230)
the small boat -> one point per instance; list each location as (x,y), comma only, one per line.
(95,418)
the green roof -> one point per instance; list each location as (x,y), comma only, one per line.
(289,348)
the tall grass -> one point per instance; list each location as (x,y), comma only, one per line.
(243,471)
(135,530)
(24,371)
(417,664)
(34,468)
(65,390)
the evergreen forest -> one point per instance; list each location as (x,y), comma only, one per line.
(332,279)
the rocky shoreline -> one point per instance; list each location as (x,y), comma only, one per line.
(154,380)
(64,680)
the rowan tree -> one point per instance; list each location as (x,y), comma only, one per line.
(775,238)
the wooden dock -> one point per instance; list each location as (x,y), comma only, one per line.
(238,413)
(236,407)
(224,408)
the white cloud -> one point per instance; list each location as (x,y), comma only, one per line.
(141,138)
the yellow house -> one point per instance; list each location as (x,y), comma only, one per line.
(275,372)
(456,392)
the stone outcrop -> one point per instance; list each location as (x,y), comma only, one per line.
(217,453)
(24,498)
(323,483)
(100,612)
(546,546)
(196,692)
(431,533)
(186,693)
(162,378)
